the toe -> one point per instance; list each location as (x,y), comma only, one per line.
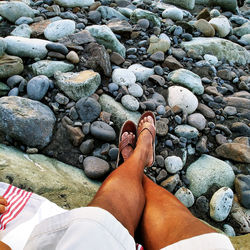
(124,135)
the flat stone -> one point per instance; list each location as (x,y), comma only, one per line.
(102,131)
(205,27)
(221,48)
(74,3)
(10,65)
(95,168)
(63,184)
(49,68)
(124,77)
(120,27)
(138,14)
(119,114)
(221,25)
(185,196)
(242,187)
(110,13)
(221,204)
(234,151)
(78,85)
(27,121)
(187,79)
(206,171)
(142,73)
(172,63)
(104,35)
(26,47)
(183,98)
(186,131)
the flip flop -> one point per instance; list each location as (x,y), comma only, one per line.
(127,126)
(148,126)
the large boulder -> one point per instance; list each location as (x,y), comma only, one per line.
(27,121)
(63,184)
(221,48)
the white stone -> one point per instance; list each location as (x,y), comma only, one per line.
(142,73)
(221,204)
(246,38)
(173,13)
(221,24)
(74,3)
(185,196)
(130,102)
(213,60)
(123,77)
(183,98)
(59,29)
(135,90)
(173,164)
(186,131)
(228,230)
(197,120)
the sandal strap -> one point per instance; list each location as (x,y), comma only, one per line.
(126,142)
(147,126)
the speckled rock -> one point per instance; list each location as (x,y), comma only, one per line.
(130,102)
(186,131)
(123,77)
(173,164)
(185,196)
(142,73)
(221,25)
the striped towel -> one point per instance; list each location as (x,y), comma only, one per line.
(139,247)
(17,199)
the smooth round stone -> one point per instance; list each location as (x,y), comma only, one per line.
(37,87)
(113,153)
(95,168)
(161,110)
(73,57)
(88,109)
(186,131)
(113,87)
(214,13)
(61,99)
(197,120)
(242,187)
(135,90)
(178,31)
(94,16)
(22,30)
(213,60)
(130,102)
(102,131)
(24,20)
(175,14)
(123,77)
(142,73)
(221,24)
(143,23)
(87,146)
(221,204)
(13,92)
(230,110)
(185,196)
(173,164)
(57,47)
(59,29)
(158,70)
(182,97)
(13,81)
(228,230)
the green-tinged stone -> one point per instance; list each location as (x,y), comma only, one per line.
(4,89)
(140,14)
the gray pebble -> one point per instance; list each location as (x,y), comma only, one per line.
(102,131)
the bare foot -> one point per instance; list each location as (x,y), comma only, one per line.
(128,150)
(145,140)
(3,204)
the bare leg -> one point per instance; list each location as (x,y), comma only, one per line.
(122,192)
(165,219)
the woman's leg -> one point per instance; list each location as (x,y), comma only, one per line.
(122,192)
(165,219)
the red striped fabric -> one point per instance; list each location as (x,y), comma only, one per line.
(17,199)
(139,247)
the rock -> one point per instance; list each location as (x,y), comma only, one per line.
(14,10)
(197,120)
(187,4)
(59,29)
(162,127)
(3,46)
(57,47)
(74,3)
(203,204)
(88,109)
(73,57)
(110,13)
(185,196)
(87,147)
(4,89)
(48,68)
(27,121)
(206,111)
(37,87)
(242,187)
(104,35)
(142,73)
(228,230)
(143,23)
(234,151)
(75,135)
(124,77)
(245,38)
(120,27)
(158,56)
(172,63)
(10,65)
(173,13)
(130,102)
(138,14)
(62,184)
(186,131)
(61,99)
(205,27)
(135,90)
(221,48)
(173,164)
(239,103)
(97,58)
(94,16)
(221,204)
(39,27)
(116,58)
(221,25)
(206,171)
(102,131)
(204,14)
(95,168)
(244,29)
(211,59)
(78,85)
(162,43)
(230,5)
(187,79)
(183,98)
(22,30)
(159,80)
(25,47)
(118,112)
(171,182)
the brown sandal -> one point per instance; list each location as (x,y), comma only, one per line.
(129,127)
(148,126)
